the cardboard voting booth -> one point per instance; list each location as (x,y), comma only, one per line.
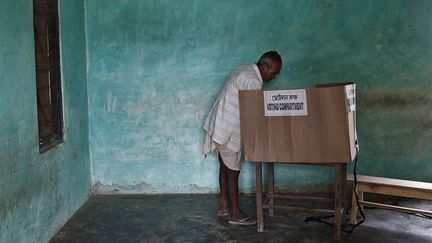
(313,125)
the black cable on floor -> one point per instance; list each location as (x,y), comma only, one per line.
(347,228)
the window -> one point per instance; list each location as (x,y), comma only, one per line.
(48,83)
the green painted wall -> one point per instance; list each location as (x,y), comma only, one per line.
(39,192)
(156,66)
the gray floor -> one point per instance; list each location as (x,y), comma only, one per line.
(192,218)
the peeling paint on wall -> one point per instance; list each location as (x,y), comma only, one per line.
(156,67)
(39,192)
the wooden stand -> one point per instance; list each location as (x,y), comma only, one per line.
(387,186)
(340,179)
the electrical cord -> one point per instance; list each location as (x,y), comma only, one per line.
(356,197)
(347,228)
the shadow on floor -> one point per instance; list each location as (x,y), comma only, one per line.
(193,218)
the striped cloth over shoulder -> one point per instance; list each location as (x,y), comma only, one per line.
(223,121)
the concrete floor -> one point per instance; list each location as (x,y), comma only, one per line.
(192,218)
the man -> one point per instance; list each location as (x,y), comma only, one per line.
(223,130)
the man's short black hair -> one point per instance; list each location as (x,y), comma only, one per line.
(269,58)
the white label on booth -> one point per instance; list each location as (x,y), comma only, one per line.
(285,102)
(350,94)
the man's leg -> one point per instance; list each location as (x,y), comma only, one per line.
(228,181)
(223,203)
(235,212)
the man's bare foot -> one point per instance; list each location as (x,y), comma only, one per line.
(223,212)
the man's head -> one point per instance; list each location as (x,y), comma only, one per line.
(269,65)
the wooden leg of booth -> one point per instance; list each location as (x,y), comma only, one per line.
(259,199)
(271,187)
(340,174)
